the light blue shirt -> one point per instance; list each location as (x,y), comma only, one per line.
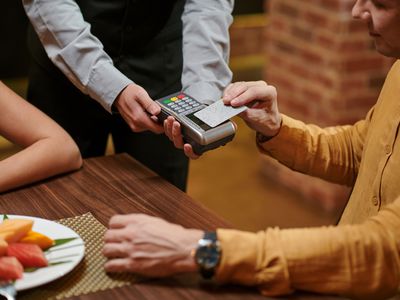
(71,46)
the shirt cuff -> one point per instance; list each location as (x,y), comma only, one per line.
(204,92)
(239,257)
(253,259)
(106,83)
(283,145)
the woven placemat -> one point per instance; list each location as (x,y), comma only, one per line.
(89,276)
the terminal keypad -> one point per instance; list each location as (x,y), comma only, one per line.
(181,104)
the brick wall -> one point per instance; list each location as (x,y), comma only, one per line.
(247,57)
(327,72)
(247,35)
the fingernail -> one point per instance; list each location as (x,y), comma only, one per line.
(226,100)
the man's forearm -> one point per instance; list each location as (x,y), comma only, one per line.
(360,261)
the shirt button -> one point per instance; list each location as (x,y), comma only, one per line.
(388,149)
(375,200)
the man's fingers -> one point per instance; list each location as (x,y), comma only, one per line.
(120,221)
(115,250)
(137,119)
(114,236)
(262,93)
(152,108)
(188,150)
(147,103)
(233,91)
(173,131)
(118,265)
(177,135)
(149,124)
(168,127)
(141,121)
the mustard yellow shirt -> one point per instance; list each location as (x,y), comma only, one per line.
(361,256)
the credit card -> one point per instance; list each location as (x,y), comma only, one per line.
(218,112)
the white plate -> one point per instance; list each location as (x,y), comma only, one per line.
(72,252)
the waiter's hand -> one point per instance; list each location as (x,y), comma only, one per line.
(149,246)
(135,106)
(173,131)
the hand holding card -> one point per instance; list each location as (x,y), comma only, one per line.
(218,113)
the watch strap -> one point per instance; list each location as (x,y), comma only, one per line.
(207,273)
(260,138)
(210,235)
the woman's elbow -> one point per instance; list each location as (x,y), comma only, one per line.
(72,156)
(76,159)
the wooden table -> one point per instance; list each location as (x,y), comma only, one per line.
(118,184)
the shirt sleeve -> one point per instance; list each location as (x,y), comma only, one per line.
(206,48)
(332,153)
(358,261)
(71,46)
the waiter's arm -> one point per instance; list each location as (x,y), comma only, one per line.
(71,46)
(206,48)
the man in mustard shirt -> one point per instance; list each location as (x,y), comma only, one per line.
(358,258)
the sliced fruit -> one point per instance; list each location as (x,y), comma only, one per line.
(3,247)
(29,255)
(10,268)
(7,235)
(33,237)
(12,230)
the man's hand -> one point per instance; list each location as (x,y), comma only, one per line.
(149,246)
(135,105)
(263,114)
(173,131)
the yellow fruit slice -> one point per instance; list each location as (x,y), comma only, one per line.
(39,239)
(7,235)
(14,229)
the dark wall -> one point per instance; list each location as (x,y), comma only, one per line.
(248,7)
(13,52)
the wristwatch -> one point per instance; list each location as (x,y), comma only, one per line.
(208,254)
(260,138)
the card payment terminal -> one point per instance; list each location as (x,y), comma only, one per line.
(195,132)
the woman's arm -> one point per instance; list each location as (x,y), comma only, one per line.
(48,149)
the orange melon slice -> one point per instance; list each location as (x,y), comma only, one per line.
(12,230)
(39,239)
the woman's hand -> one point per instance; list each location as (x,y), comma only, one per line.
(263,114)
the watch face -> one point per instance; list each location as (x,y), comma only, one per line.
(207,256)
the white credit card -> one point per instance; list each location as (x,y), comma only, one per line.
(218,112)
